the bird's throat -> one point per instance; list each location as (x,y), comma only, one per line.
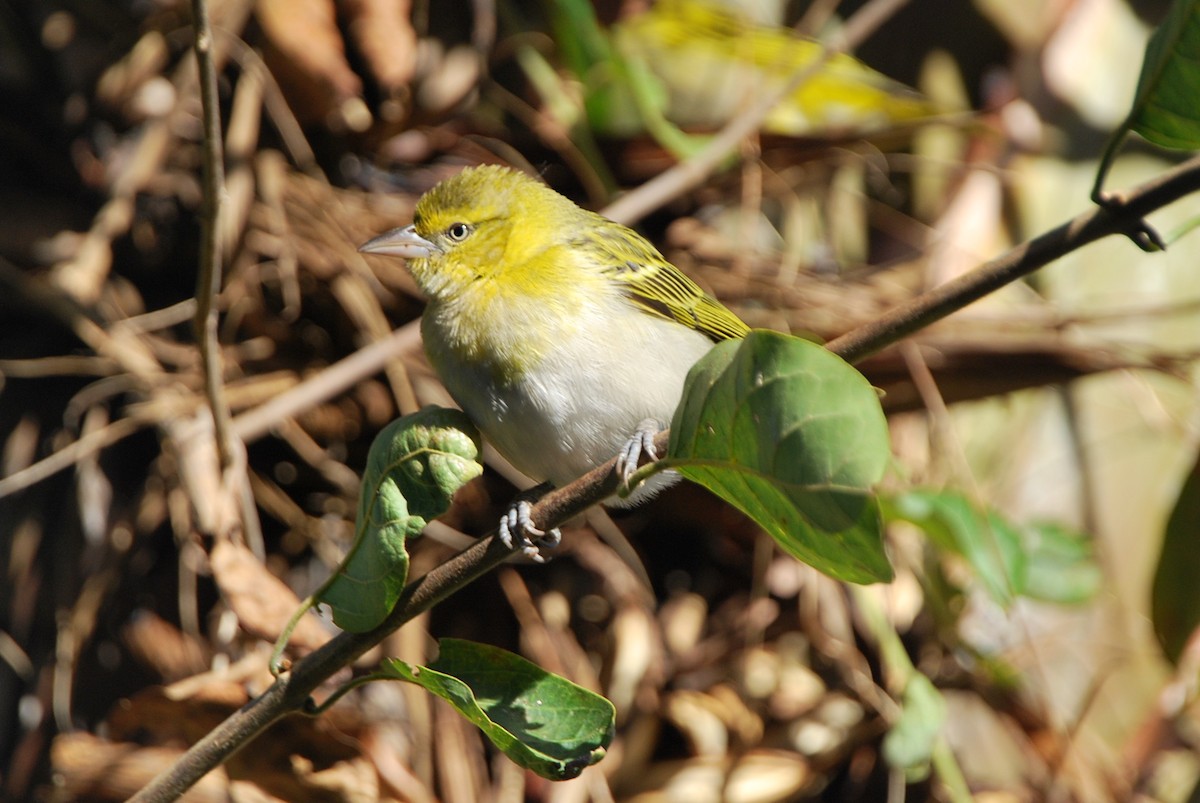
(501,337)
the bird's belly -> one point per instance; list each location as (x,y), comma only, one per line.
(582,403)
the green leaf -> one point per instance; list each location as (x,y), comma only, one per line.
(1060,564)
(954,523)
(413,469)
(580,39)
(541,721)
(795,438)
(586,49)
(910,742)
(1175,603)
(1041,561)
(1165,110)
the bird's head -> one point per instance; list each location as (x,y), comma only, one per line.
(485,223)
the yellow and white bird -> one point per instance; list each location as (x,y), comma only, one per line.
(564,336)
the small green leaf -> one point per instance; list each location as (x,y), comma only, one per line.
(413,469)
(541,721)
(1175,603)
(1040,561)
(1164,108)
(795,438)
(909,744)
(1060,564)
(988,542)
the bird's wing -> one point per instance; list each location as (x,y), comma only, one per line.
(654,284)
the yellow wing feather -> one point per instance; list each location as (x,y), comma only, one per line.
(654,284)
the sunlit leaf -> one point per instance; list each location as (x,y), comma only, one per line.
(414,467)
(794,437)
(1165,109)
(541,721)
(1041,561)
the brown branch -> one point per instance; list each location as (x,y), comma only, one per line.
(231,452)
(291,691)
(1123,214)
(208,283)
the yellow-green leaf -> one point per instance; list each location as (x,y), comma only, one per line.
(413,469)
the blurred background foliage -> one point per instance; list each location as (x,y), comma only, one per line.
(1047,430)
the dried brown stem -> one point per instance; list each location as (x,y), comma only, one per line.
(208,283)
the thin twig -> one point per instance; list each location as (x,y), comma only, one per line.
(1120,216)
(208,283)
(290,692)
(345,373)
(87,445)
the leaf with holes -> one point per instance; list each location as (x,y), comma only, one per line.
(413,469)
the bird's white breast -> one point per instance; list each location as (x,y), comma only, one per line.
(585,397)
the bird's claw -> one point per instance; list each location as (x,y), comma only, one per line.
(518,532)
(640,443)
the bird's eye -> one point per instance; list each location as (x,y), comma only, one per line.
(458,232)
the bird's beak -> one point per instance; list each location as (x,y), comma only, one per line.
(401,242)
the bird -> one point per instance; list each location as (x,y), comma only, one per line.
(698,63)
(564,336)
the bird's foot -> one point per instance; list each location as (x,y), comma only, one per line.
(639,444)
(518,532)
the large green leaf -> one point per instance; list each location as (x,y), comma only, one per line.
(1175,602)
(541,721)
(794,437)
(413,469)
